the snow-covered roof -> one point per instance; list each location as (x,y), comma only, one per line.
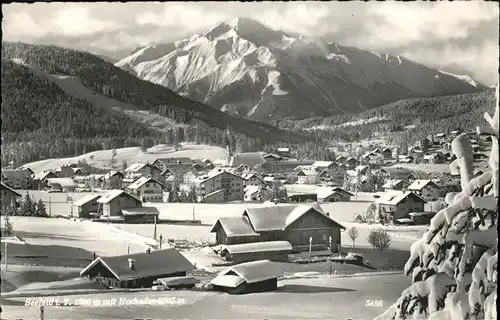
(141,181)
(63,182)
(394,197)
(249,190)
(278,217)
(6,187)
(249,272)
(283,149)
(322,164)
(113,194)
(418,185)
(86,199)
(325,192)
(391,183)
(307,173)
(141,211)
(265,246)
(135,167)
(235,226)
(251,159)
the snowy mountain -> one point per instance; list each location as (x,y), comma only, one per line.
(245,68)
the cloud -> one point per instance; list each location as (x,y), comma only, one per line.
(439,34)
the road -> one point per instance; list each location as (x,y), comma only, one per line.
(316,298)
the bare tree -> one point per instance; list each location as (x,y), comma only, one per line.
(379,239)
(353,234)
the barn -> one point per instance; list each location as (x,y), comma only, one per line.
(249,277)
(234,230)
(297,224)
(137,270)
(270,250)
(87,205)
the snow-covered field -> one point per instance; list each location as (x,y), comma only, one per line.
(312,298)
(102,158)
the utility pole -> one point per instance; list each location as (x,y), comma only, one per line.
(331,249)
(5,257)
(310,248)
(194,214)
(50,207)
(154,231)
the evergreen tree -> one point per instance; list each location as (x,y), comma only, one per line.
(28,207)
(41,210)
(8,229)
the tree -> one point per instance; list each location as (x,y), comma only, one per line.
(454,265)
(8,229)
(41,210)
(353,234)
(379,239)
(28,206)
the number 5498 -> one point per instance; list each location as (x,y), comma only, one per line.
(374,303)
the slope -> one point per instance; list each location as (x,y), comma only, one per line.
(104,78)
(409,119)
(245,68)
(40,119)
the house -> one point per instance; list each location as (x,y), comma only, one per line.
(140,215)
(340,159)
(386,153)
(272,157)
(41,177)
(189,179)
(397,173)
(253,193)
(302,197)
(65,172)
(87,205)
(362,170)
(181,164)
(399,204)
(323,165)
(251,179)
(333,195)
(351,162)
(270,250)
(395,184)
(18,179)
(284,222)
(405,159)
(113,179)
(138,270)
(248,277)
(250,159)
(446,187)
(147,189)
(143,170)
(9,197)
(426,189)
(435,158)
(221,183)
(307,177)
(113,202)
(284,152)
(62,184)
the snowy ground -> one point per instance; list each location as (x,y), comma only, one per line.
(319,298)
(102,158)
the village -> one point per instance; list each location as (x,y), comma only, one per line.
(250,220)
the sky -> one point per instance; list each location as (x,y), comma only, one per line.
(459,37)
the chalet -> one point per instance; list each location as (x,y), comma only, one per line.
(340,159)
(62,184)
(248,277)
(9,197)
(426,189)
(324,165)
(18,179)
(65,172)
(302,197)
(284,152)
(251,159)
(396,184)
(26,169)
(333,195)
(307,177)
(147,189)
(138,270)
(143,170)
(405,159)
(87,205)
(272,157)
(113,202)
(386,153)
(174,164)
(253,193)
(225,185)
(292,223)
(271,250)
(113,179)
(399,204)
(189,179)
(362,170)
(397,173)
(370,157)
(351,162)
(251,179)
(446,187)
(435,158)
(140,215)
